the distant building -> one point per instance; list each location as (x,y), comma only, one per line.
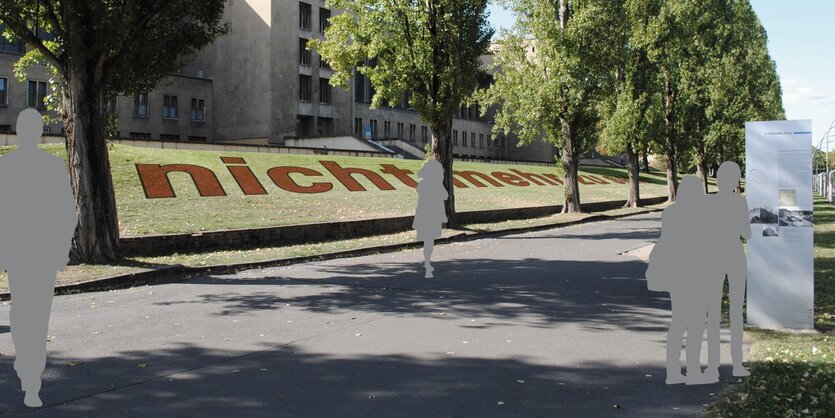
(259,84)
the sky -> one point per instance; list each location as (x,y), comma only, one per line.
(801,35)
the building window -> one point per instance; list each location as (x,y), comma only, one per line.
(324,16)
(386,129)
(304,88)
(304,16)
(374,128)
(37,94)
(4,91)
(169,137)
(423,134)
(464,138)
(47,130)
(323,64)
(5,129)
(472,139)
(169,107)
(198,110)
(324,91)
(304,53)
(399,130)
(358,126)
(197,138)
(412,129)
(140,105)
(481,140)
(455,138)
(363,91)
(139,135)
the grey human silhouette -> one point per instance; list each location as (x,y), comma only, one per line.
(677,266)
(729,221)
(35,234)
(430,214)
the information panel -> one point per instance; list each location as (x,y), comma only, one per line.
(778,186)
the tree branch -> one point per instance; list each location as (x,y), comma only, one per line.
(20,30)
(53,19)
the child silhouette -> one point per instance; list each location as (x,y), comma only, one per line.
(36,229)
(429,214)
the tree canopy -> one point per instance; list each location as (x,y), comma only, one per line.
(429,49)
(551,71)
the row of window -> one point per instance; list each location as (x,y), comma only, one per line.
(35,97)
(170,109)
(306,18)
(306,89)
(166,137)
(500,142)
(359,130)
(375,133)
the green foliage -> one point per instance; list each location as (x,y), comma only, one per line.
(632,111)
(549,77)
(713,56)
(429,48)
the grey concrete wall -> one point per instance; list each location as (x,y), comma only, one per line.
(241,72)
(338,142)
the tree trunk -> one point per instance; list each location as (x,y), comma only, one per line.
(96,238)
(634,199)
(645,156)
(669,139)
(569,161)
(442,152)
(701,168)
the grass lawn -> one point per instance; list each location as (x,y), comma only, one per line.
(793,374)
(189,212)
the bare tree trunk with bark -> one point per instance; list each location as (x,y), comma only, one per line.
(96,237)
(569,161)
(634,199)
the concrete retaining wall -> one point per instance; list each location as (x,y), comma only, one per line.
(154,245)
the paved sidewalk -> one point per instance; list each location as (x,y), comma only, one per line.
(544,324)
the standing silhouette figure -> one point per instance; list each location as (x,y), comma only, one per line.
(36,230)
(430,214)
(677,265)
(730,222)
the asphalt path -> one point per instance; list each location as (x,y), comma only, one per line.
(556,323)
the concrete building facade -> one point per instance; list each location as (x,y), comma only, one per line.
(260,84)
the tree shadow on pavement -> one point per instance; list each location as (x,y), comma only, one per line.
(595,295)
(289,381)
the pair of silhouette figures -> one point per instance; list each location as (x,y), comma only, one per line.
(699,245)
(37,221)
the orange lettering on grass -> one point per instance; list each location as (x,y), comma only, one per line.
(281,178)
(155,182)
